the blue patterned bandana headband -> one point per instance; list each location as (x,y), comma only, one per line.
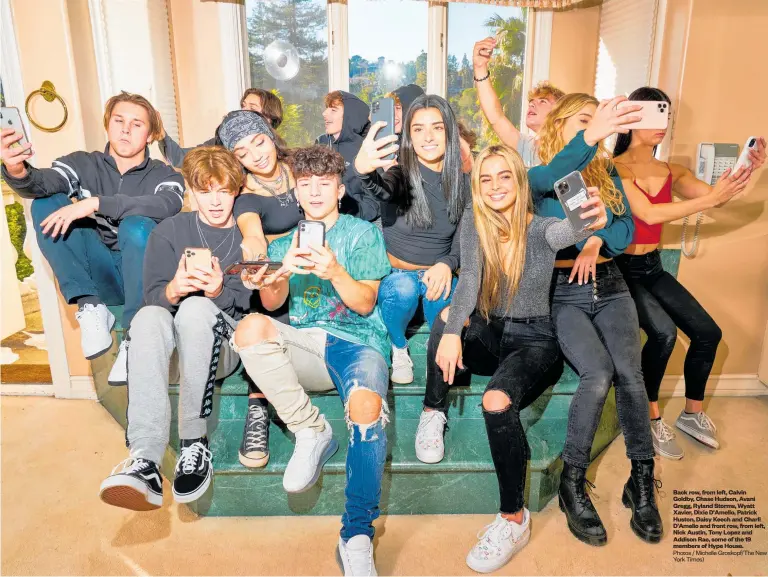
(241,123)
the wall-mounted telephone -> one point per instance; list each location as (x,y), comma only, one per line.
(712,160)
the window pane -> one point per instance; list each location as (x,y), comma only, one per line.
(468,23)
(388,44)
(303,25)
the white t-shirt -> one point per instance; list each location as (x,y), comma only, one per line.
(528,149)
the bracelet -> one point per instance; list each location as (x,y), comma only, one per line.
(483,78)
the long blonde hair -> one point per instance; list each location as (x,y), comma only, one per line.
(502,269)
(598,171)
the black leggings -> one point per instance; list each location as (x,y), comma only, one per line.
(524,359)
(663,306)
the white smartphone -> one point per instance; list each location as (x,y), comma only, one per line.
(744,160)
(10,117)
(311,233)
(655,114)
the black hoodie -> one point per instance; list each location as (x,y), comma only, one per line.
(407,94)
(355,122)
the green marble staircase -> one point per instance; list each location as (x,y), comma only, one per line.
(464,482)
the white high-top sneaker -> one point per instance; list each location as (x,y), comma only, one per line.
(402,366)
(96,324)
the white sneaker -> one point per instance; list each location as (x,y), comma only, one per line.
(312,450)
(498,543)
(118,376)
(356,556)
(96,324)
(430,447)
(402,366)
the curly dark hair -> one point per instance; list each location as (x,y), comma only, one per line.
(316,160)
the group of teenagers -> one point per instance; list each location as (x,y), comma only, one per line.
(478,242)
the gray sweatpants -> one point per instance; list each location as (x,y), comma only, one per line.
(200,333)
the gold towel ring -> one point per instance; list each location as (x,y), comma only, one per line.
(47,91)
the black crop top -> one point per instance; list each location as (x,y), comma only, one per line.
(275,219)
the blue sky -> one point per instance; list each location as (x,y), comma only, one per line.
(397,29)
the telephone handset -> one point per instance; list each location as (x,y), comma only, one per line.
(712,160)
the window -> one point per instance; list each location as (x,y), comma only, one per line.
(387,46)
(468,23)
(291,25)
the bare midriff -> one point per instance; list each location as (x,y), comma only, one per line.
(571,263)
(639,249)
(402,265)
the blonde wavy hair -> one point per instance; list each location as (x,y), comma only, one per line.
(598,171)
(502,243)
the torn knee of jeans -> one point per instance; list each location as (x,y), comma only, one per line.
(377,413)
(254,330)
(496,402)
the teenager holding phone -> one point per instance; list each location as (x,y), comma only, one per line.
(663,304)
(193,310)
(336,339)
(428,193)
(499,323)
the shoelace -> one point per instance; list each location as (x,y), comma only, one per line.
(401,359)
(191,456)
(704,421)
(664,432)
(646,489)
(131,465)
(359,560)
(429,425)
(494,532)
(256,435)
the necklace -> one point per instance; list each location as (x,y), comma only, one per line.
(282,197)
(205,242)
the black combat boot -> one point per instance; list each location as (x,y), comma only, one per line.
(583,520)
(639,495)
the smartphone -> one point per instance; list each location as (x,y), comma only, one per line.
(655,114)
(384,109)
(572,192)
(10,117)
(744,160)
(198,258)
(311,232)
(252,266)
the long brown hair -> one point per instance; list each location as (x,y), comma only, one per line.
(502,267)
(598,171)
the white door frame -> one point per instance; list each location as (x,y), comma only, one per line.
(47,291)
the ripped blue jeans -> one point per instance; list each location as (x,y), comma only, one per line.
(311,359)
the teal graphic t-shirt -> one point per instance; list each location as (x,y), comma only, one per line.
(313,302)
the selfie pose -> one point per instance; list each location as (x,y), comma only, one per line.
(499,324)
(331,269)
(663,304)
(594,315)
(254,99)
(428,193)
(93,213)
(541,99)
(192,307)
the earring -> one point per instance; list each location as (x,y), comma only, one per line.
(339,204)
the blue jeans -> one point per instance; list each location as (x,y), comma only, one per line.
(85,266)
(311,359)
(399,295)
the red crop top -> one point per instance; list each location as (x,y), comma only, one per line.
(651,233)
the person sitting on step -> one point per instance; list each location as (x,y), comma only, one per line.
(93,213)
(499,324)
(428,194)
(336,339)
(191,307)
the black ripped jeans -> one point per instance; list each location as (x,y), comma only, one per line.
(523,360)
(663,305)
(597,329)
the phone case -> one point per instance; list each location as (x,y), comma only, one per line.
(384,109)
(744,160)
(655,114)
(198,258)
(252,266)
(311,232)
(10,117)
(572,192)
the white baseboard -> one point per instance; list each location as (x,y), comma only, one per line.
(81,388)
(33,390)
(717,386)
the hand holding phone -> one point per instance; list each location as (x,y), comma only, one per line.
(15,146)
(611,117)
(744,160)
(654,113)
(373,151)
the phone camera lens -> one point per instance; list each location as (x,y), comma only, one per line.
(752,143)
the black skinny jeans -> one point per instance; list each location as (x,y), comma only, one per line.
(663,305)
(523,360)
(597,328)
